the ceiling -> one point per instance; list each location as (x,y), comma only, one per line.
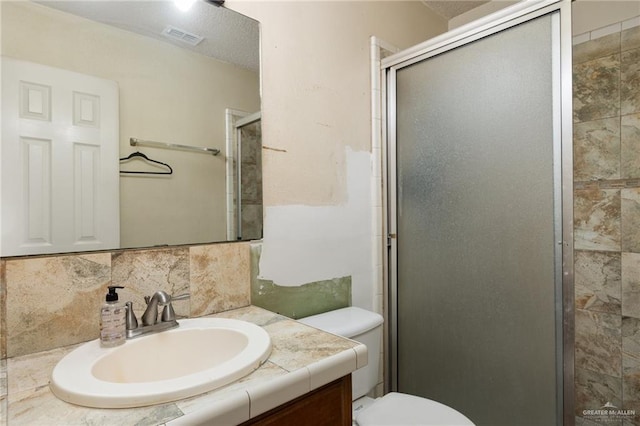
(451,8)
(228,36)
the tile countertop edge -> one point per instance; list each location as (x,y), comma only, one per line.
(234,409)
(255,400)
(251,399)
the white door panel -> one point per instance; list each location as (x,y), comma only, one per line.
(59,162)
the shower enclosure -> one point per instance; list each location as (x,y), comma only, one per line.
(479,206)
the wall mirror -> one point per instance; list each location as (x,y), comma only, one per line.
(81,79)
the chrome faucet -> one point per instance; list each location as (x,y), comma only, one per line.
(150,316)
(149,319)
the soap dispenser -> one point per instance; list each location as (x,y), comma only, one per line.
(112,320)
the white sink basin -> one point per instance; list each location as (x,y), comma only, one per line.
(200,355)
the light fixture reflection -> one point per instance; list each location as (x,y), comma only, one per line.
(184,5)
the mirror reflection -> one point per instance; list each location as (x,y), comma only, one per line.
(81,79)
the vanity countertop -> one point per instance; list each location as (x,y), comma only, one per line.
(302,359)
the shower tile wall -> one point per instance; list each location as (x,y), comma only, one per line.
(252,182)
(607,226)
(3,348)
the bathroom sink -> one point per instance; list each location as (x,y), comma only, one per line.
(200,355)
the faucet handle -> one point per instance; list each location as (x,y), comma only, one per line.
(168,314)
(131,320)
(181,297)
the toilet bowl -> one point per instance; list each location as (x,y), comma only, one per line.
(393,409)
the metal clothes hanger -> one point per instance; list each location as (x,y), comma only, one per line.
(145,158)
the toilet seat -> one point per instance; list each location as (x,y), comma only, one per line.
(398,409)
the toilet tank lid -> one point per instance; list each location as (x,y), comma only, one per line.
(347,322)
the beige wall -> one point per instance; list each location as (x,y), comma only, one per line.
(479,12)
(590,15)
(587,14)
(317,162)
(166,94)
(316,86)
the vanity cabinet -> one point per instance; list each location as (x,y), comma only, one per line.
(329,405)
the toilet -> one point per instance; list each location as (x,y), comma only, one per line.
(393,409)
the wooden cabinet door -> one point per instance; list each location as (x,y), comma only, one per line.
(329,405)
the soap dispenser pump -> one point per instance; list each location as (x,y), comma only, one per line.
(112,320)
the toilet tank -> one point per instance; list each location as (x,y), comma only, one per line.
(362,326)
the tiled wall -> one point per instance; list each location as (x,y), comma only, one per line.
(251,183)
(607,224)
(54,301)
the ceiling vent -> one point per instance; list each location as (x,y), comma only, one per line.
(182,35)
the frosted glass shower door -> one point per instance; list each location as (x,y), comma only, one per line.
(478,202)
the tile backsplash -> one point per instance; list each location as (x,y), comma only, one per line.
(54,301)
(49,302)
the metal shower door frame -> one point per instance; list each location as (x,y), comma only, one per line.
(562,169)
